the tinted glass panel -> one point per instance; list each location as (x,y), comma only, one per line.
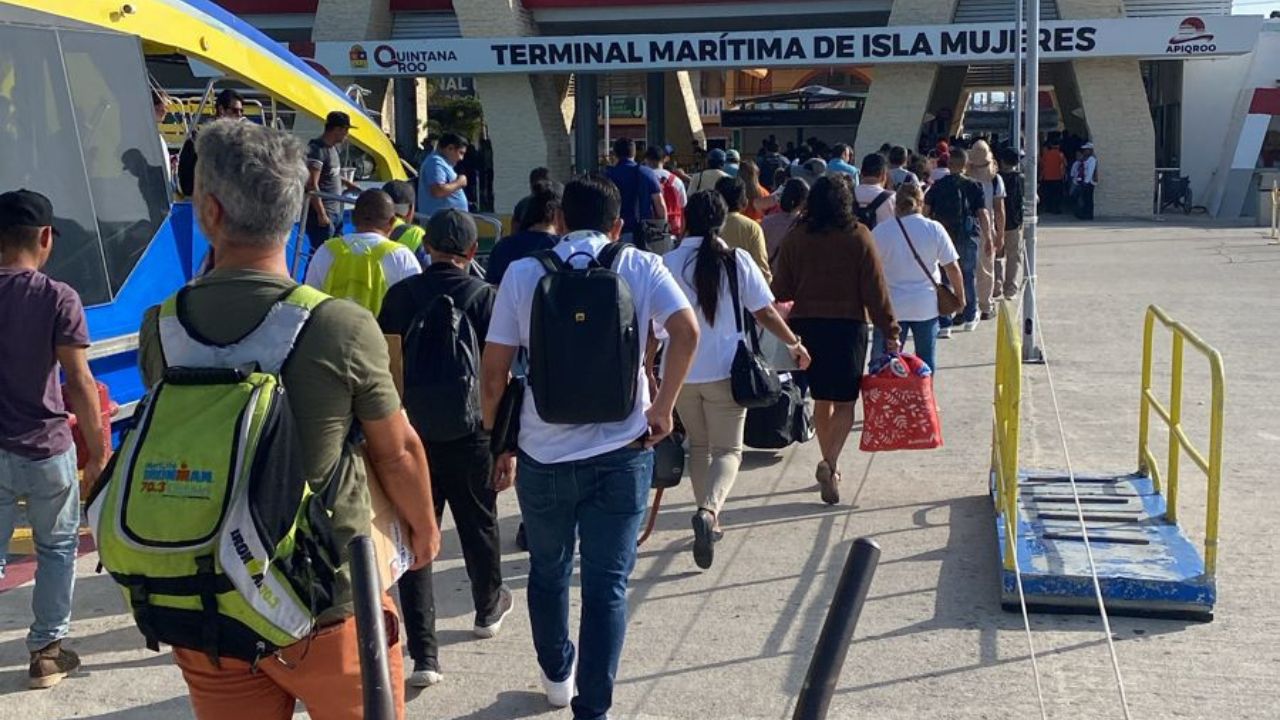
(39,151)
(122,145)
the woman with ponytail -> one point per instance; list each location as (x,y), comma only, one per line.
(706,406)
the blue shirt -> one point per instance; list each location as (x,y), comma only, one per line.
(516,247)
(436,170)
(838,165)
(637,184)
(732,169)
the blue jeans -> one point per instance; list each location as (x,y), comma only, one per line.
(924,331)
(52,492)
(600,501)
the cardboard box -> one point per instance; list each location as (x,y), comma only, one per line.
(395,348)
(389,534)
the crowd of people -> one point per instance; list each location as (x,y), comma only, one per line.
(615,312)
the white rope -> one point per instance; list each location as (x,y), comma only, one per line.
(1084,531)
(1011,526)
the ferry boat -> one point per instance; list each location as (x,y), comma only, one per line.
(77,124)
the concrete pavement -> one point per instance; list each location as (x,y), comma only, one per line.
(735,641)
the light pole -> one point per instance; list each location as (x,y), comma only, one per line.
(1031,352)
(1018,27)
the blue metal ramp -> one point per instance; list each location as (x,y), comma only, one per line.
(1146,565)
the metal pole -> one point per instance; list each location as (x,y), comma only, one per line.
(608,131)
(586,130)
(837,631)
(375,674)
(1031,352)
(1018,97)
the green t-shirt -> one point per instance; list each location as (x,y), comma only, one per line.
(339,370)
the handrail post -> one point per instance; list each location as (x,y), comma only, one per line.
(837,631)
(1215,465)
(1175,424)
(1144,408)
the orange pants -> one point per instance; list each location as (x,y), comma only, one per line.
(324,676)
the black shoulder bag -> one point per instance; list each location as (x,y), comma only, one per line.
(754,383)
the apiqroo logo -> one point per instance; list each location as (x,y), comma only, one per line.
(1192,39)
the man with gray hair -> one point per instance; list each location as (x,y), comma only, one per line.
(248,193)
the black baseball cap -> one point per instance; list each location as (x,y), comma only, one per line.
(401,194)
(337,119)
(25,208)
(452,231)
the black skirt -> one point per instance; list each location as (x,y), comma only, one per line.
(838,349)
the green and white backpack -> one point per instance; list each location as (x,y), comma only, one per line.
(205,518)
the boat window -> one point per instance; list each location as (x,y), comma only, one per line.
(41,152)
(121,145)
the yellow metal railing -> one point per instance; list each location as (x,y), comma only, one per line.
(1004,440)
(1275,210)
(1166,482)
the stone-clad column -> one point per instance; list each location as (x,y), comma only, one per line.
(528,116)
(1118,115)
(355,21)
(899,94)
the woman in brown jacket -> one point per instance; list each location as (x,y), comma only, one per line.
(828,266)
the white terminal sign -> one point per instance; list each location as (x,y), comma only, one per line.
(1162,37)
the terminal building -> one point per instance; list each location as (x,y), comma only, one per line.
(1179,87)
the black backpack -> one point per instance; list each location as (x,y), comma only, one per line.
(584,341)
(949,205)
(1014,194)
(867,213)
(442,370)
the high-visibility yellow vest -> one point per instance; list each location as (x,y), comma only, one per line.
(408,234)
(358,276)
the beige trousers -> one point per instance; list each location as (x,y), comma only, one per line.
(1008,274)
(986,272)
(714,423)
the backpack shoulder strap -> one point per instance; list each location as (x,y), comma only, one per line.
(609,254)
(337,247)
(269,345)
(550,260)
(881,199)
(399,231)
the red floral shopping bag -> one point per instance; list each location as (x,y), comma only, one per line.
(901,412)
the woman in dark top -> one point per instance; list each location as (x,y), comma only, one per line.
(829,268)
(539,232)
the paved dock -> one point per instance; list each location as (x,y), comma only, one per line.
(735,641)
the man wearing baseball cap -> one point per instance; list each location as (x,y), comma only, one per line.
(43,325)
(460,467)
(405,231)
(707,179)
(324,217)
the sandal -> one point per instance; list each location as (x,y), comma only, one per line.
(831,488)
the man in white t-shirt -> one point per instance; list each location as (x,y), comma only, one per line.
(588,483)
(362,266)
(870,195)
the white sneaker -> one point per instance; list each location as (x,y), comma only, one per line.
(944,333)
(972,325)
(506,604)
(425,675)
(559,694)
